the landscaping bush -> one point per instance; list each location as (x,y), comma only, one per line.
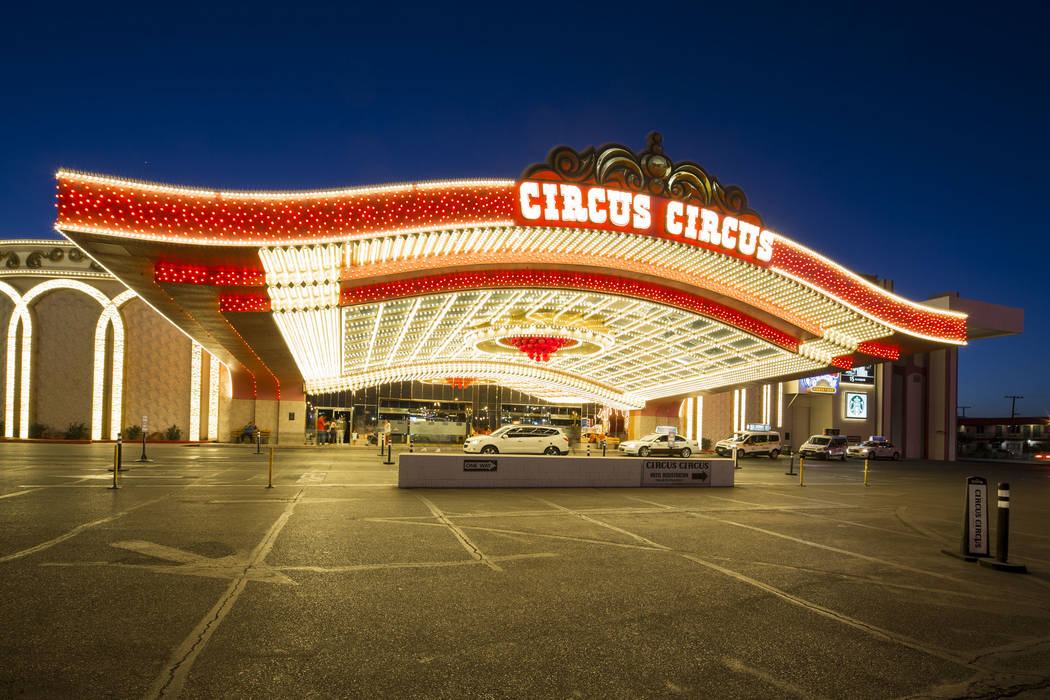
(37,430)
(76,431)
(133,432)
(173,433)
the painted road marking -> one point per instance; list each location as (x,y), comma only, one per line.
(471,548)
(74,532)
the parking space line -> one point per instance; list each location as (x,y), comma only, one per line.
(74,532)
(781,685)
(472,549)
(172,679)
(589,519)
(412,564)
(873,630)
(18,493)
(837,550)
(872,527)
(523,533)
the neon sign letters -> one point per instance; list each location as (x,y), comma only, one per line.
(559,203)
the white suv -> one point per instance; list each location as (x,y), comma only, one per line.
(825,447)
(522,439)
(748,442)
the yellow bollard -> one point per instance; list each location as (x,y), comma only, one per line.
(865,471)
(270,485)
(801,462)
(116,465)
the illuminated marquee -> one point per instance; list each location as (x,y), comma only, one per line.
(687,288)
(560,204)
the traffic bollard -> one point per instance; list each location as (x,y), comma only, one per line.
(144,458)
(1002,536)
(116,466)
(801,463)
(736,459)
(588,448)
(380,441)
(258,442)
(865,471)
(603,448)
(270,484)
(389,454)
(120,453)
(410,442)
(791,465)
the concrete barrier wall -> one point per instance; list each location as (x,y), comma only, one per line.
(422,470)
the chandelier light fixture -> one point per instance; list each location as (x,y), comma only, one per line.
(539,348)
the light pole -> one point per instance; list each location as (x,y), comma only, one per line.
(1013,403)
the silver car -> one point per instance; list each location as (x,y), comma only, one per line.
(824,447)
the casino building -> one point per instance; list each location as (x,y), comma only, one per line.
(602,287)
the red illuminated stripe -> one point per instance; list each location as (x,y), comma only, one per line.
(558,279)
(201,216)
(842,361)
(178,273)
(833,280)
(886,352)
(244,302)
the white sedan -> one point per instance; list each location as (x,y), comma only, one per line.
(520,439)
(874,449)
(659,444)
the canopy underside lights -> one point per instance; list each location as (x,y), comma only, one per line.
(646,344)
(541,381)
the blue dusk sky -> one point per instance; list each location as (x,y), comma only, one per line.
(905,140)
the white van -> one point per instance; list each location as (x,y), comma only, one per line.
(750,442)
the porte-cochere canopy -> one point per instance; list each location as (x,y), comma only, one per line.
(602,275)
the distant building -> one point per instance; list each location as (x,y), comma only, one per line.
(1004,434)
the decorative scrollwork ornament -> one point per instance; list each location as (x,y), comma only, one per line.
(649,171)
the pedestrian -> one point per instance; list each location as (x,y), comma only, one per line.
(340,430)
(386,432)
(322,429)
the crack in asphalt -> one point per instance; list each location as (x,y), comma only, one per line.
(172,680)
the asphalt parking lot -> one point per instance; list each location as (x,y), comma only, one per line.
(196,580)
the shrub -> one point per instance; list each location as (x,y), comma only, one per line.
(173,433)
(76,431)
(133,432)
(37,430)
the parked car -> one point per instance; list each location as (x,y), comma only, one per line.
(520,439)
(659,444)
(753,443)
(825,447)
(874,449)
